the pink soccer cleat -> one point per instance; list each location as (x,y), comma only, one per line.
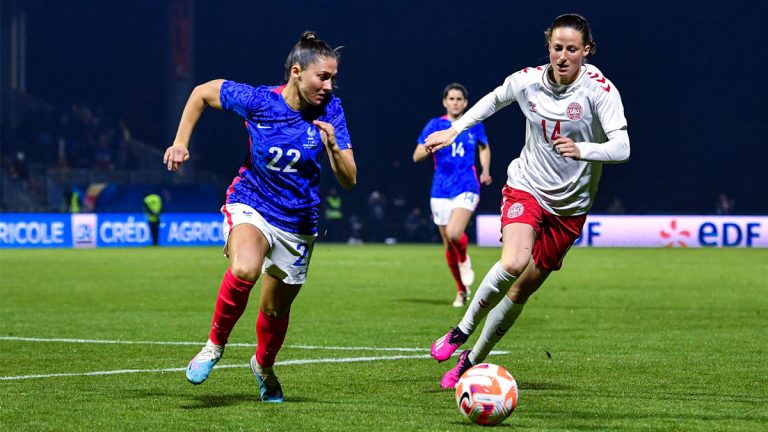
(443,348)
(451,378)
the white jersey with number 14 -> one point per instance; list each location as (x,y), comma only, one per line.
(588,111)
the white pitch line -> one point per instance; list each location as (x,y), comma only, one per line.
(280,363)
(126,342)
(286,362)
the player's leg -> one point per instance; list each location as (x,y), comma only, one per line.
(441,215)
(455,233)
(452,259)
(285,271)
(555,238)
(503,316)
(246,247)
(271,328)
(500,320)
(521,220)
(517,242)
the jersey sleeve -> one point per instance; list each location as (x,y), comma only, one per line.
(610,112)
(500,97)
(428,129)
(339,122)
(609,109)
(242,99)
(479,131)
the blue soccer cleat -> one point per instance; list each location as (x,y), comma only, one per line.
(269,386)
(202,364)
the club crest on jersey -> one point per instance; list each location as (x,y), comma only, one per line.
(515,210)
(532,105)
(311,142)
(574,111)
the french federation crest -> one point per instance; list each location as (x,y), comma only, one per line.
(311,142)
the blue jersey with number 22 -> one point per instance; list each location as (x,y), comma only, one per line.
(455,164)
(280,178)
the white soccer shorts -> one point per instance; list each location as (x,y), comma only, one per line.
(289,254)
(442,207)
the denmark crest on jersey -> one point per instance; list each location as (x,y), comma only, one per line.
(574,111)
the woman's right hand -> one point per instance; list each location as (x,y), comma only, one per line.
(437,140)
(175,156)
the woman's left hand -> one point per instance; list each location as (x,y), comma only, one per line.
(565,147)
(327,134)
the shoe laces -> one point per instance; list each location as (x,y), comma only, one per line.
(209,353)
(271,381)
(464,363)
(456,336)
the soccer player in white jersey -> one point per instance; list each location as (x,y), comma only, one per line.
(575,123)
(455,189)
(271,210)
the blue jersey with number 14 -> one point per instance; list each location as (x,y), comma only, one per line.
(455,165)
(280,178)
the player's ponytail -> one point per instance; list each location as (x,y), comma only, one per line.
(307,51)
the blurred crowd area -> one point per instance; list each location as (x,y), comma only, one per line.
(378,219)
(74,137)
(67,159)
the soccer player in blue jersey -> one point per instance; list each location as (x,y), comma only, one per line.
(455,188)
(271,209)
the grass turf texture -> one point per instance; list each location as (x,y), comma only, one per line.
(639,340)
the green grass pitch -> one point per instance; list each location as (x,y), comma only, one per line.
(640,340)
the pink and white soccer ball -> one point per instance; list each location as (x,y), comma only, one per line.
(486,394)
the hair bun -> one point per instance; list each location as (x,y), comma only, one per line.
(308,35)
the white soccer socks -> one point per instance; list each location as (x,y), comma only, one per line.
(491,290)
(500,320)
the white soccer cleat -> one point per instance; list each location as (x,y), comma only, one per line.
(462,298)
(466,273)
(202,365)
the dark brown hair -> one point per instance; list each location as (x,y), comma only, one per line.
(308,50)
(455,86)
(576,22)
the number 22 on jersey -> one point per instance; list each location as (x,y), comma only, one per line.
(278,152)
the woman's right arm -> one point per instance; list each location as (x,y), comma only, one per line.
(502,96)
(203,95)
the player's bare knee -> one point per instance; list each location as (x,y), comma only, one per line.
(273,311)
(246,271)
(514,265)
(518,296)
(454,236)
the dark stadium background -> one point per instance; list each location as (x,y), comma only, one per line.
(692,78)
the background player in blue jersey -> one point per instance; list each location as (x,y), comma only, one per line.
(455,188)
(271,211)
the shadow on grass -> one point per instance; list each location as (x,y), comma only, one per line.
(527,386)
(541,386)
(435,302)
(224,400)
(220,400)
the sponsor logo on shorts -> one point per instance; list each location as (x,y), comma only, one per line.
(515,210)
